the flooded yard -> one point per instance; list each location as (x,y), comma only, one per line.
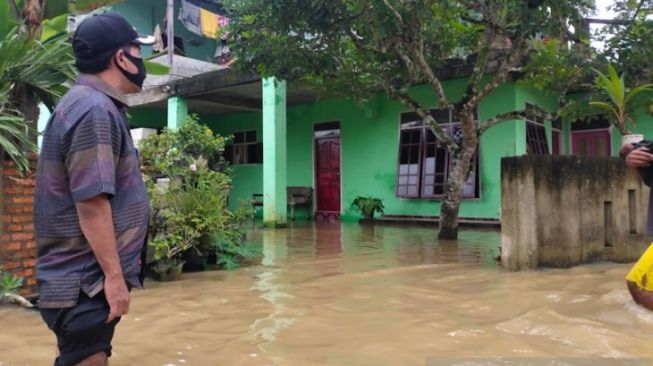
(360,295)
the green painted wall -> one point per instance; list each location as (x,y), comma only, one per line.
(369,149)
(147,117)
(146,14)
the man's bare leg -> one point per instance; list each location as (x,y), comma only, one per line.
(98,359)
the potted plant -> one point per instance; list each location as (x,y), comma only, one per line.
(620,104)
(174,235)
(368,206)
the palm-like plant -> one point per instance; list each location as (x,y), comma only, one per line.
(42,67)
(621,99)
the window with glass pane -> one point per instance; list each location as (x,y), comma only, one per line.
(536,142)
(536,139)
(245,149)
(435,167)
(409,162)
(425,175)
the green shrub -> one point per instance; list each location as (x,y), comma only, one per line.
(192,212)
(9,284)
(368,205)
(171,153)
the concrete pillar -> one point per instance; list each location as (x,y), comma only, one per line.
(177,112)
(520,138)
(274,153)
(566,136)
(275,247)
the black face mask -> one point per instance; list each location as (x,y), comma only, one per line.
(139,77)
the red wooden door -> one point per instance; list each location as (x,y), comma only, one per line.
(327,173)
(591,143)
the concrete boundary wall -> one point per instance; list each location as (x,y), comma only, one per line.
(562,211)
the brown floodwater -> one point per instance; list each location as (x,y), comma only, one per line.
(360,295)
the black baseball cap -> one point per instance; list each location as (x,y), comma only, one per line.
(105,33)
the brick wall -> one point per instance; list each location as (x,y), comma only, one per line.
(17,246)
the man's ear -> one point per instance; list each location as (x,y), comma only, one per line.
(119,55)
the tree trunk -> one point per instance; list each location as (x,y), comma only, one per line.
(453,190)
(33,14)
(26,102)
(453,193)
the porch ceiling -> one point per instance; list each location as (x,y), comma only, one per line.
(217,92)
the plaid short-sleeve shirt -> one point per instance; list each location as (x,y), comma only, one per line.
(87,151)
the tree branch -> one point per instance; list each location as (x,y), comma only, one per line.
(410,65)
(396,14)
(436,85)
(639,8)
(479,67)
(498,119)
(442,137)
(514,58)
(536,111)
(349,18)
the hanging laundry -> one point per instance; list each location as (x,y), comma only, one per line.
(209,23)
(189,16)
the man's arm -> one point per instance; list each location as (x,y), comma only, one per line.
(97,224)
(642,297)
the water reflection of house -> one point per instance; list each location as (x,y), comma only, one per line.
(341,149)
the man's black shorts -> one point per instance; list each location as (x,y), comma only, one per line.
(81,331)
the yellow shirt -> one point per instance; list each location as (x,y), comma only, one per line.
(642,273)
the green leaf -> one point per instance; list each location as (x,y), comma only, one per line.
(4,19)
(53,27)
(633,93)
(154,68)
(43,67)
(617,86)
(14,134)
(605,106)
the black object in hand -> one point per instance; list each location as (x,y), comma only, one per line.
(647,171)
(644,143)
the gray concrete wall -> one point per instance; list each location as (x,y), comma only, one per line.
(561,211)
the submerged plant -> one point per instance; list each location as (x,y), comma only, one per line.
(9,286)
(368,206)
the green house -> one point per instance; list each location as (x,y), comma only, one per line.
(285,136)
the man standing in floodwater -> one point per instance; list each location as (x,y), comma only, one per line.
(91,207)
(641,287)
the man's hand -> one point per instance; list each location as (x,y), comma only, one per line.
(117,296)
(639,158)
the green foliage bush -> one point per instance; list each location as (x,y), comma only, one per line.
(192,213)
(368,205)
